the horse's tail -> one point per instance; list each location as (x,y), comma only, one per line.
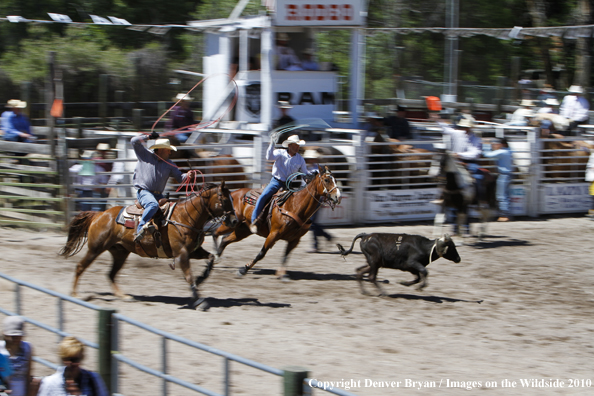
(345,252)
(77,233)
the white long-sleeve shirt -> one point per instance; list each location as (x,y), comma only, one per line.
(466,145)
(575,108)
(284,165)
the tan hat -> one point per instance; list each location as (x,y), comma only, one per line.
(284,105)
(311,154)
(14,326)
(293,139)
(576,89)
(552,102)
(282,37)
(163,144)
(183,96)
(87,154)
(16,104)
(526,102)
(466,122)
(103,147)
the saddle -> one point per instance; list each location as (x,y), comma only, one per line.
(130,215)
(279,198)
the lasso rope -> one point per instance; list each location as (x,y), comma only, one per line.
(202,124)
(190,185)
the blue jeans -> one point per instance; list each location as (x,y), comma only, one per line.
(150,203)
(268,192)
(503,182)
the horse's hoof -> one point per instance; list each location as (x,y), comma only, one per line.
(127,297)
(241,272)
(217,258)
(195,303)
(285,278)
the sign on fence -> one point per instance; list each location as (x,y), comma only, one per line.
(565,198)
(400,205)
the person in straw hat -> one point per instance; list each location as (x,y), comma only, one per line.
(285,54)
(575,107)
(286,162)
(523,114)
(19,354)
(181,116)
(152,171)
(15,124)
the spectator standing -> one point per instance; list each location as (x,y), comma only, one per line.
(86,178)
(71,378)
(311,158)
(19,354)
(182,116)
(308,62)
(284,119)
(15,124)
(397,125)
(500,150)
(103,172)
(522,115)
(575,107)
(285,54)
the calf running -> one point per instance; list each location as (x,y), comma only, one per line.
(404,252)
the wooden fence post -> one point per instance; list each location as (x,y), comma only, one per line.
(104,341)
(293,381)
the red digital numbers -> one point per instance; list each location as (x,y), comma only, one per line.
(319,12)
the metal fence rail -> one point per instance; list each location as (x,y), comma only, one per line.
(59,330)
(227,358)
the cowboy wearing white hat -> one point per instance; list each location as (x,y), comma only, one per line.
(575,107)
(153,169)
(286,162)
(15,124)
(181,116)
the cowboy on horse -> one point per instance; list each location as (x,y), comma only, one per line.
(286,162)
(152,171)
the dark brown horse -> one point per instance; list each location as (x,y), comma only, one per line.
(181,236)
(288,222)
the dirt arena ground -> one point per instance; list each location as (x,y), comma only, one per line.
(519,307)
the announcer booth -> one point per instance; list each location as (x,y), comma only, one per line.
(246,49)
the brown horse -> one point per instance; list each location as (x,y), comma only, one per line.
(288,222)
(181,236)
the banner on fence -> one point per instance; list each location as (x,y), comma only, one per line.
(403,205)
(518,201)
(339,216)
(565,198)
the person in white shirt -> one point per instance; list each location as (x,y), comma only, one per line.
(286,162)
(575,107)
(285,55)
(522,116)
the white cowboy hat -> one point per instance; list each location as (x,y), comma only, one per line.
(576,89)
(103,147)
(293,139)
(282,37)
(163,144)
(551,102)
(284,105)
(183,96)
(16,104)
(311,154)
(466,122)
(526,102)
